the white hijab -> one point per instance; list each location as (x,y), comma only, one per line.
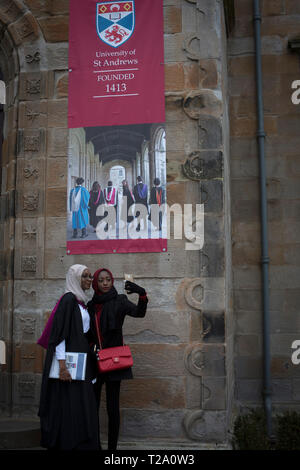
(73,282)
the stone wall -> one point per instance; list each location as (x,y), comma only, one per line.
(280,23)
(183,349)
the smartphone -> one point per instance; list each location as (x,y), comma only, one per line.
(128,277)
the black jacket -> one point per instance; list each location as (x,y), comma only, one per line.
(111,323)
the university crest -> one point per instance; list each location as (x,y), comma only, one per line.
(115,22)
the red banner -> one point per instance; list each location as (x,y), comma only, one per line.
(116,71)
(116,114)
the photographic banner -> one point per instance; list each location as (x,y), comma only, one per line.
(116,114)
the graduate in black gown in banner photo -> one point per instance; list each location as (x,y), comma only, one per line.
(96,199)
(157,201)
(110,199)
(140,192)
(129,202)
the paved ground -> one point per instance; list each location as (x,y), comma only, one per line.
(19,434)
(22,434)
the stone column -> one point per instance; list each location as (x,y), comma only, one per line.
(198,172)
(9,69)
(22,191)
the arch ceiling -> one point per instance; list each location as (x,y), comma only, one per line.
(118,142)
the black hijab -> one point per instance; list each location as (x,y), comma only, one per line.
(106,304)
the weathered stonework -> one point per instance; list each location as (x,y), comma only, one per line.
(183,347)
(28,263)
(280,68)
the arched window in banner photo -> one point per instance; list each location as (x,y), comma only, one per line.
(117,144)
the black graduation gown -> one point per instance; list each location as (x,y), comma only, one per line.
(130,202)
(94,219)
(111,322)
(68,410)
(138,199)
(153,200)
(153,195)
(109,188)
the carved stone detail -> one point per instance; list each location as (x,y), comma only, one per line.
(26,386)
(30,114)
(24,28)
(213,325)
(207,393)
(32,143)
(28,264)
(205,360)
(33,86)
(30,58)
(29,295)
(192,103)
(31,172)
(197,103)
(25,326)
(203,164)
(189,423)
(193,167)
(28,325)
(28,358)
(187,46)
(29,232)
(9,11)
(31,201)
(207,327)
(194,359)
(189,297)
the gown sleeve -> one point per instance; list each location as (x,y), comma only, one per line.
(62,320)
(133,310)
(60,331)
(60,351)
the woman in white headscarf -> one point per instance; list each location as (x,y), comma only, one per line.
(68,410)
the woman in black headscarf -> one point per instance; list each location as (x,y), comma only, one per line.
(110,308)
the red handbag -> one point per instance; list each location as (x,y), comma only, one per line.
(110,359)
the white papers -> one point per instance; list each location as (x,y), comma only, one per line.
(75,363)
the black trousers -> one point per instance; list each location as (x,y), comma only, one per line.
(113,409)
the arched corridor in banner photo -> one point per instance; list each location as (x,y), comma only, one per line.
(120,167)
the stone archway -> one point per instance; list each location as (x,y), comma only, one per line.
(23,163)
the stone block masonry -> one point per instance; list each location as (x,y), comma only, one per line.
(183,348)
(280,23)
